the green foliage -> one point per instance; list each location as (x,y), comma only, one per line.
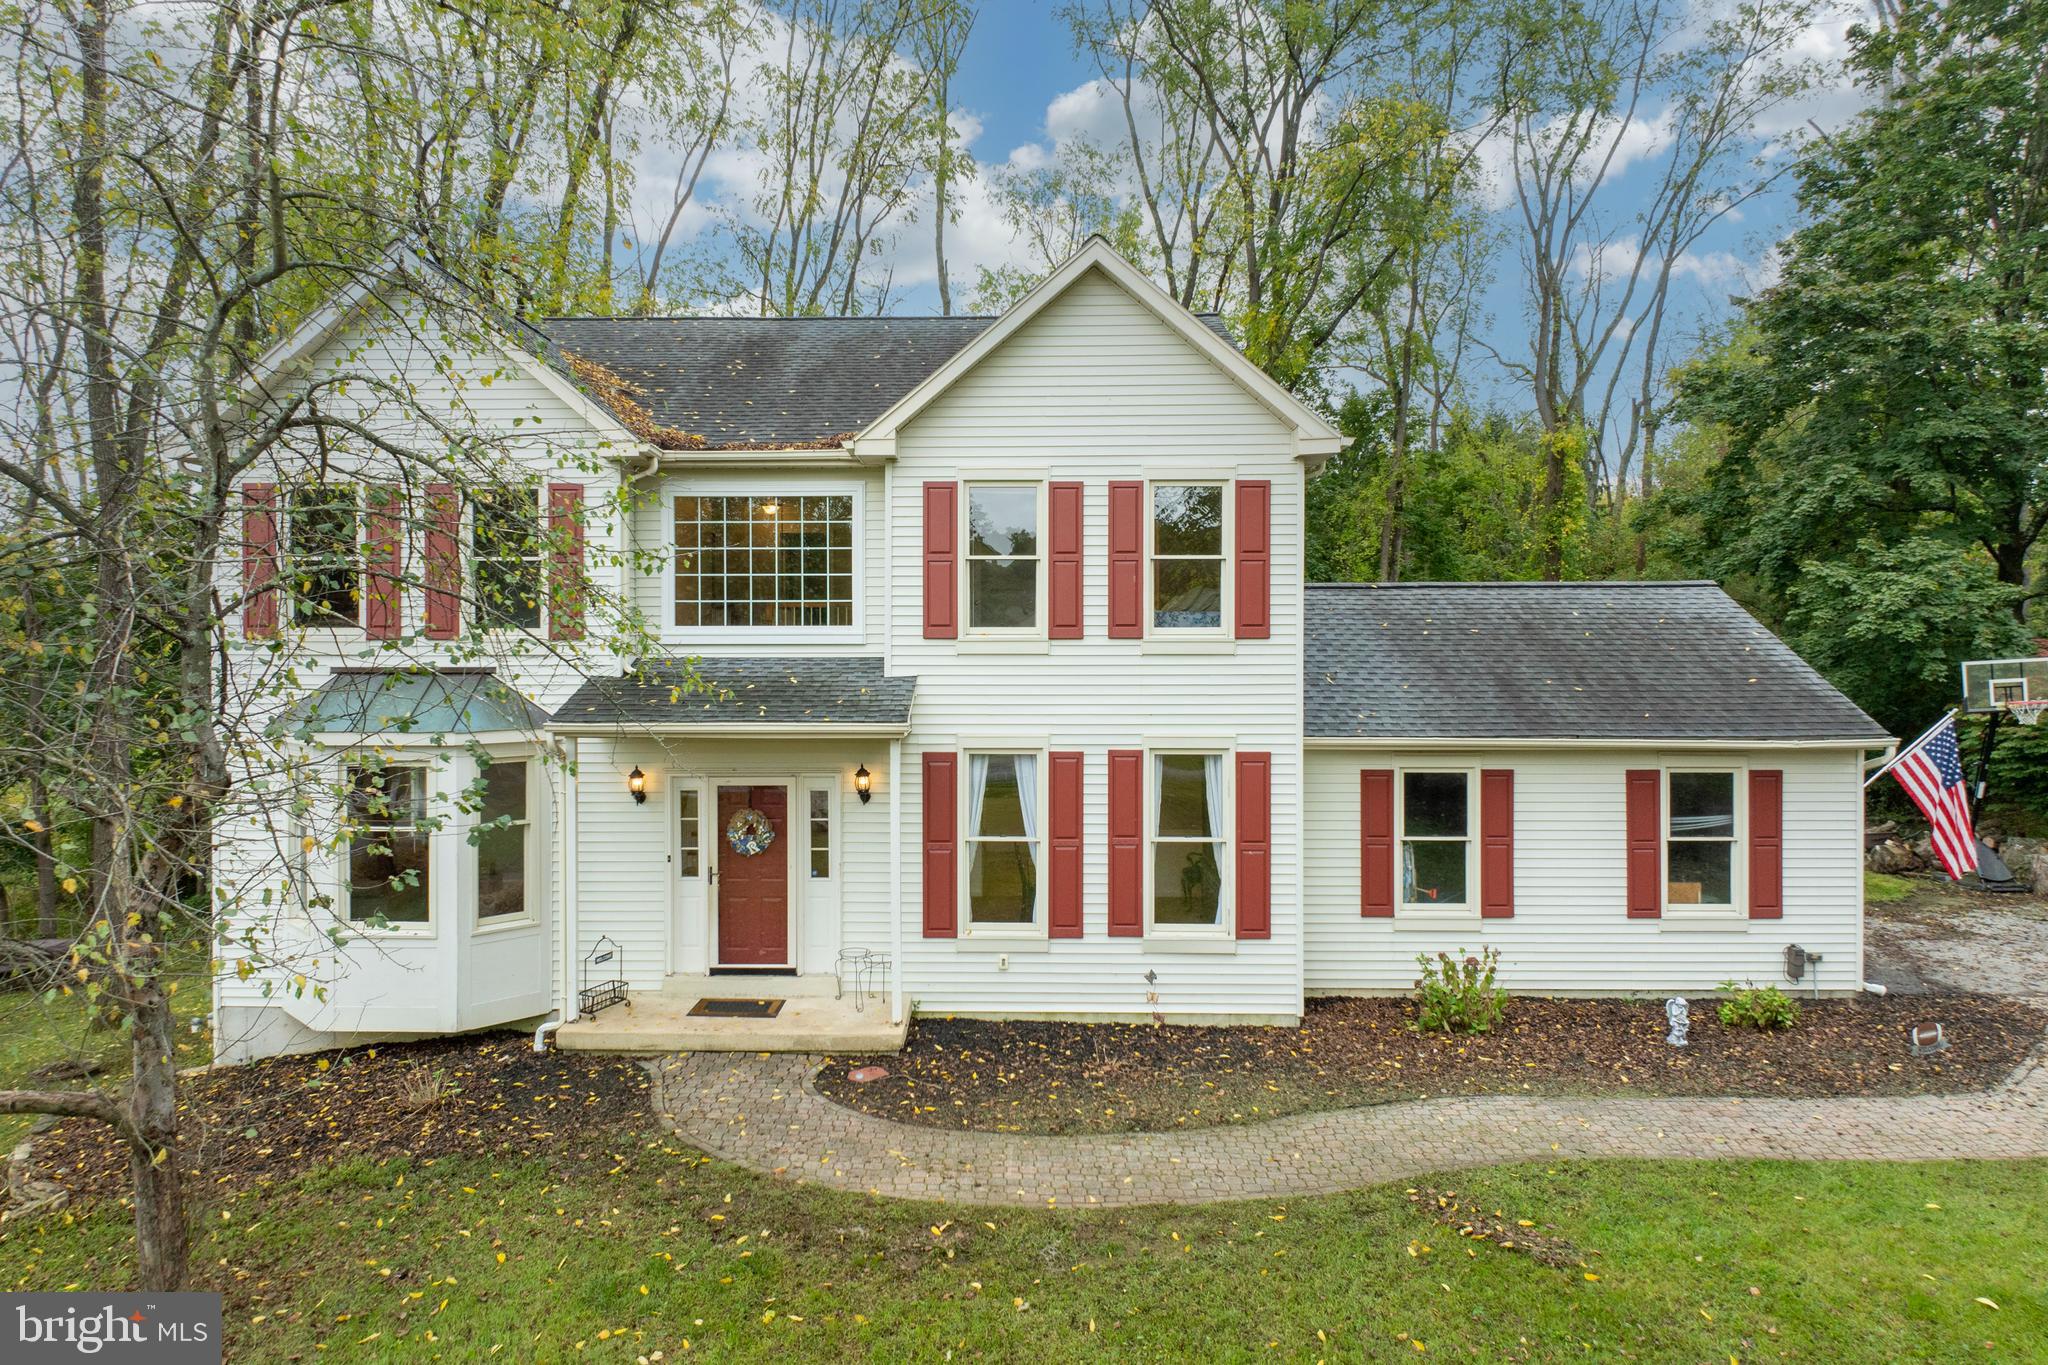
(1457,994)
(1758,1007)
(1882,889)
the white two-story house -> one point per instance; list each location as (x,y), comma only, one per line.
(980,673)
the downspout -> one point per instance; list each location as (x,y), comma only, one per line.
(569,887)
(896,881)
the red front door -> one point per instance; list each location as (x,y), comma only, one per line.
(753,888)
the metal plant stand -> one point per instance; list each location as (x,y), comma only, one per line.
(607,962)
(869,970)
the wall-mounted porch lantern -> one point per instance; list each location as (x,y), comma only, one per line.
(636,783)
(863,783)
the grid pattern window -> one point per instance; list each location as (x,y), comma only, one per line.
(1002,841)
(821,834)
(501,840)
(508,556)
(1187,840)
(1699,855)
(1187,556)
(689,846)
(772,560)
(388,874)
(1436,841)
(1002,556)
(324,565)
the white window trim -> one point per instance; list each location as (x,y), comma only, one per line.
(685,788)
(472,598)
(1225,927)
(1225,628)
(1037,929)
(1737,908)
(781,486)
(835,841)
(344,898)
(530,916)
(288,606)
(968,630)
(1437,911)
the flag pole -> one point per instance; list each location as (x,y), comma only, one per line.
(1910,749)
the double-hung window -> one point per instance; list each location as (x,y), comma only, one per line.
(1436,841)
(508,557)
(1701,869)
(1189,842)
(1003,557)
(388,871)
(764,560)
(324,565)
(1002,827)
(501,842)
(1187,556)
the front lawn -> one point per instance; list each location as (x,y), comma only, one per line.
(1069,1078)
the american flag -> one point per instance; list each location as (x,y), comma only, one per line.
(1932,774)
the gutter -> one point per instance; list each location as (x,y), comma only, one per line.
(797,730)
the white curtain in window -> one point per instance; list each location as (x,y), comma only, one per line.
(1212,778)
(977,785)
(1027,792)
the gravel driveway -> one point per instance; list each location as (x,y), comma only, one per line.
(1944,940)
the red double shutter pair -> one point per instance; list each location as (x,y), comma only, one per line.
(1065,513)
(1065,843)
(1377,853)
(384,561)
(1645,821)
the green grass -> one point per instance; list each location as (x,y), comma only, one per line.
(613,1261)
(1880,888)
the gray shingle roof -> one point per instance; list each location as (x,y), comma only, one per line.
(761,381)
(825,690)
(1559,661)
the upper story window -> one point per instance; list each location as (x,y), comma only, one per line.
(1187,556)
(387,845)
(764,560)
(1188,843)
(323,560)
(1700,865)
(508,559)
(1002,557)
(1436,840)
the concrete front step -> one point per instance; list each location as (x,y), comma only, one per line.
(690,987)
(662,1023)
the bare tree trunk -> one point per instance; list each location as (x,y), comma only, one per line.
(43,841)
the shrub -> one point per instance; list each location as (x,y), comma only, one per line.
(1758,1007)
(1457,994)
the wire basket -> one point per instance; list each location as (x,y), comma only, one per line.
(607,961)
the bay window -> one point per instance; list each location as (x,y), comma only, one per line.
(1700,864)
(1188,841)
(764,560)
(1002,556)
(1435,831)
(501,842)
(388,873)
(1002,842)
(323,556)
(1187,556)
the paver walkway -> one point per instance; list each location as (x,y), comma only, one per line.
(763,1112)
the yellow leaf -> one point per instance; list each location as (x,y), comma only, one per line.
(70,885)
(1987,1303)
(1591,1276)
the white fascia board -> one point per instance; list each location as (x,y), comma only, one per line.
(386,739)
(1524,742)
(811,457)
(600,418)
(1312,433)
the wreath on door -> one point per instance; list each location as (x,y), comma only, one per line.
(748,832)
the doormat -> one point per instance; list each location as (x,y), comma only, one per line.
(722,1008)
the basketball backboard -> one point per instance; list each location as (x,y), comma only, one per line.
(1989,684)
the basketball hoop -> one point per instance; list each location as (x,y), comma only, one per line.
(2027,712)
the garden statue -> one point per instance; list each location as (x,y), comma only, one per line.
(1680,1016)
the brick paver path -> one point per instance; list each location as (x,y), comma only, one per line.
(763,1112)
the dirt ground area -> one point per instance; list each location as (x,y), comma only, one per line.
(1945,939)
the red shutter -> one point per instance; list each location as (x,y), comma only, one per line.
(384,565)
(1645,843)
(1254,845)
(1254,573)
(1126,843)
(1063,870)
(1063,561)
(1766,844)
(1126,561)
(1497,843)
(444,562)
(941,561)
(1376,842)
(259,559)
(565,561)
(941,844)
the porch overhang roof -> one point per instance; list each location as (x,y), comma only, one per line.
(414,703)
(742,696)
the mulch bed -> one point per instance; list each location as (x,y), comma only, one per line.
(1024,1077)
(244,1127)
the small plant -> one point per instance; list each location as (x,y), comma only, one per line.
(1457,994)
(421,1089)
(1757,1007)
